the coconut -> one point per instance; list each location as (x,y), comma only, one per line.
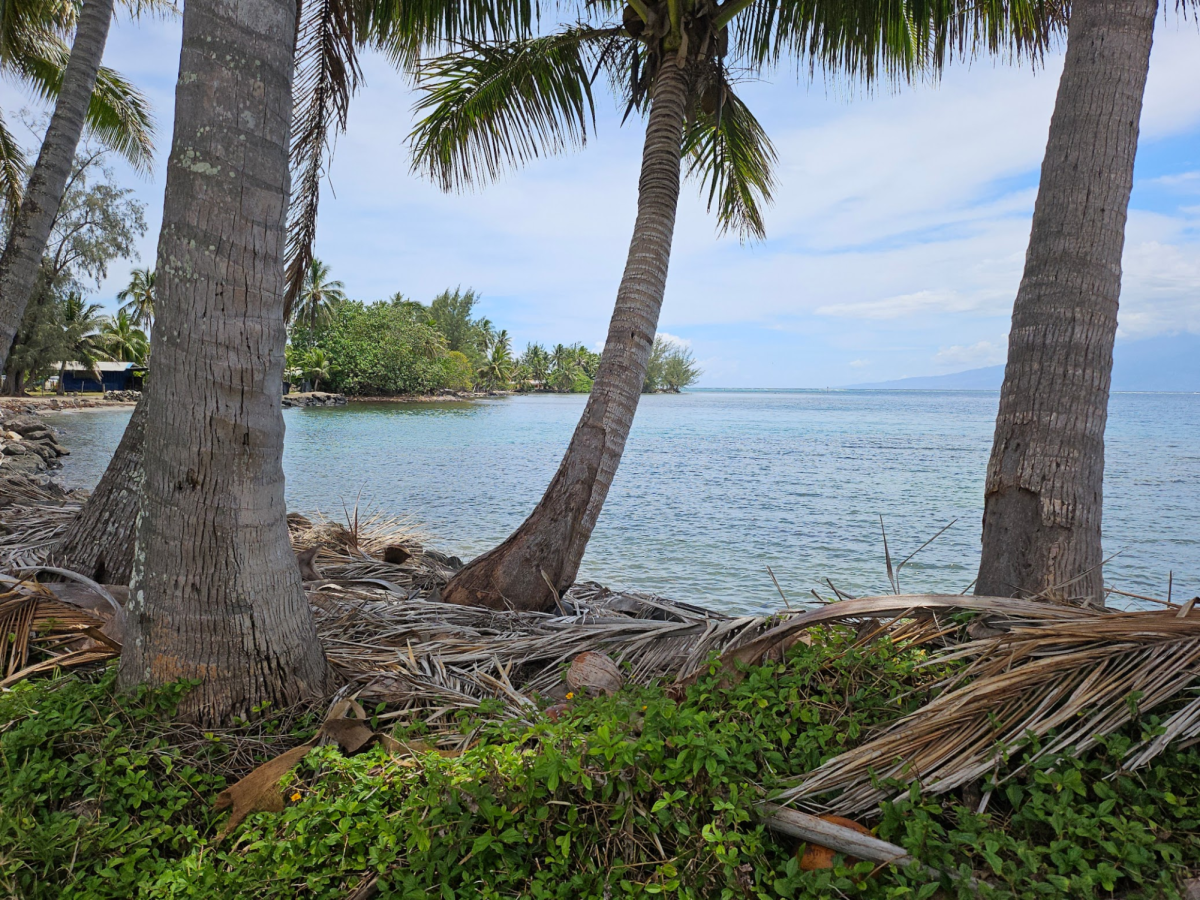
(594,673)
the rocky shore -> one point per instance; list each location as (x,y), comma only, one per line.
(312,398)
(34,405)
(28,446)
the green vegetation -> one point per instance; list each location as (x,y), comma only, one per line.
(627,796)
(97,223)
(401,346)
(671,368)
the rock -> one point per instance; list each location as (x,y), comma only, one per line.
(313,398)
(12,436)
(123,396)
(594,673)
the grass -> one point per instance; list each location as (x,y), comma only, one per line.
(634,795)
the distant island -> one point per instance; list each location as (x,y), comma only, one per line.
(1168,363)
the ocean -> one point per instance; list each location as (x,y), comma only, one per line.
(717,486)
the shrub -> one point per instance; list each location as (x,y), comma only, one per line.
(459,373)
(379,349)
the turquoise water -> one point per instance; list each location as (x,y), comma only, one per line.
(716,486)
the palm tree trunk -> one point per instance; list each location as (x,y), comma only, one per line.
(215,593)
(548,547)
(1043,499)
(31,228)
(99,543)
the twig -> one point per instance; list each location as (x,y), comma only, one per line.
(778,588)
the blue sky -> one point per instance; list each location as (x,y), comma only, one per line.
(895,241)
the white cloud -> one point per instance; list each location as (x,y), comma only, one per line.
(674,339)
(859,363)
(984,353)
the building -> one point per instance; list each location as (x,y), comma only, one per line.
(114,376)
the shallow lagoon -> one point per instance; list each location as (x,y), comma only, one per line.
(717,485)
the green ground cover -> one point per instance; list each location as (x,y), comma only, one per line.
(103,797)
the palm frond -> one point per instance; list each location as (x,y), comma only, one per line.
(1074,680)
(119,114)
(896,40)
(497,105)
(327,73)
(13,168)
(399,28)
(731,154)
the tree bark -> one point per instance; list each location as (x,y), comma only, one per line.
(1043,498)
(99,543)
(548,547)
(215,593)
(31,229)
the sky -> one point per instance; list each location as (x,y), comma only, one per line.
(895,242)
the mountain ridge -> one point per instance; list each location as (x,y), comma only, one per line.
(1169,363)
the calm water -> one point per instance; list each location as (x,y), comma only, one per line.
(716,486)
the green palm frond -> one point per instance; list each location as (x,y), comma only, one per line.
(13,168)
(501,104)
(399,28)
(327,73)
(731,154)
(119,114)
(894,39)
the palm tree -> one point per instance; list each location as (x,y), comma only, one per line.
(1045,477)
(123,341)
(318,296)
(76,92)
(138,298)
(318,367)
(217,595)
(502,103)
(497,370)
(537,360)
(81,323)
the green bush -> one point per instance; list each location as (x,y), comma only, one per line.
(459,372)
(380,349)
(629,796)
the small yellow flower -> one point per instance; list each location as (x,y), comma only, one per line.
(644,708)
(295,796)
(570,695)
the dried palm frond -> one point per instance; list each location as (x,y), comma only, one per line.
(1075,680)
(32,519)
(33,622)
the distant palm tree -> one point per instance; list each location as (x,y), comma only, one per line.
(318,367)
(537,360)
(496,373)
(318,296)
(81,323)
(123,341)
(138,298)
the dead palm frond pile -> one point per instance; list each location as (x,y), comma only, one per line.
(1043,685)
(37,625)
(33,517)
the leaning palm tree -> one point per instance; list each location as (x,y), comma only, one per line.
(1045,477)
(34,53)
(75,91)
(138,298)
(318,296)
(499,104)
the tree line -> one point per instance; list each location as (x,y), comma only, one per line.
(218,597)
(401,346)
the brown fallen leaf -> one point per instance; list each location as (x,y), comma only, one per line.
(259,791)
(816,856)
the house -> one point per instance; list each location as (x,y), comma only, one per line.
(114,376)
